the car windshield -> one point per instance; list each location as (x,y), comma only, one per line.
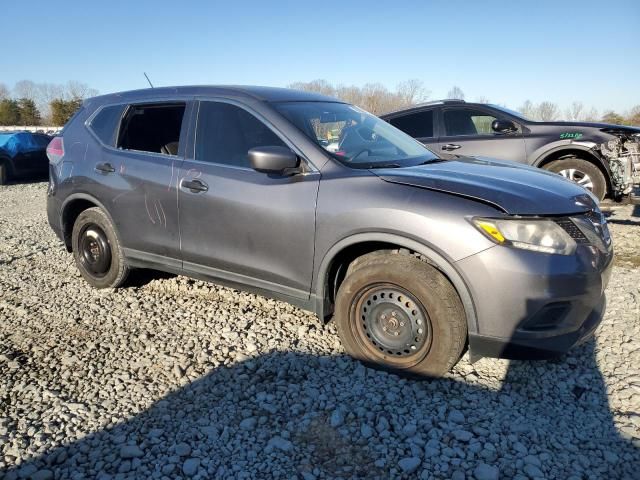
(355,137)
(512,112)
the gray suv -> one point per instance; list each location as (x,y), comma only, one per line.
(313,201)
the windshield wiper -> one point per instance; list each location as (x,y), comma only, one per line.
(433,160)
(384,165)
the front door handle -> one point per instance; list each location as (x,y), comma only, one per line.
(194,185)
(450,146)
(105,168)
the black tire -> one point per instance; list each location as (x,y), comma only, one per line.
(428,300)
(580,170)
(97,251)
(4,174)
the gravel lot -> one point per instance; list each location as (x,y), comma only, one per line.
(172,378)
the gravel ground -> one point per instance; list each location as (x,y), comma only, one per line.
(172,377)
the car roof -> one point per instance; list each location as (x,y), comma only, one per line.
(266,94)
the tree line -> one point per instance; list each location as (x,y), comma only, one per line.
(30,103)
(378,99)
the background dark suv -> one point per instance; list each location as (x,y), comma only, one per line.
(600,157)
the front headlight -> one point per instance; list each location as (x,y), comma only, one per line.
(539,235)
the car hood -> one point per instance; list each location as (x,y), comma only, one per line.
(512,188)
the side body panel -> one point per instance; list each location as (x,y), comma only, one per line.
(510,146)
(249,227)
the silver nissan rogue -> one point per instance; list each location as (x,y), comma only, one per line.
(310,200)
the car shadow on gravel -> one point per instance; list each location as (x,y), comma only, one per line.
(297,415)
(139,277)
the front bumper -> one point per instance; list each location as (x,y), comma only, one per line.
(534,305)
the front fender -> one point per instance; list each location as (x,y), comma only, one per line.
(438,259)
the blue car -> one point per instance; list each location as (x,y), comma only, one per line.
(23,154)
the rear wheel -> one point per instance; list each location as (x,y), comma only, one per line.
(395,312)
(582,172)
(96,250)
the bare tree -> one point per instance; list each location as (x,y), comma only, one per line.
(592,115)
(456,93)
(575,112)
(528,109)
(4,91)
(25,89)
(77,90)
(318,86)
(412,92)
(547,111)
(482,99)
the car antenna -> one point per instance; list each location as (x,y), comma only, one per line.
(147,77)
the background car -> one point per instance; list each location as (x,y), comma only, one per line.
(23,153)
(603,158)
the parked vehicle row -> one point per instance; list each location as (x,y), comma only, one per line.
(22,154)
(602,158)
(310,200)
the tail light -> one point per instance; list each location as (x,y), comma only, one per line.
(55,150)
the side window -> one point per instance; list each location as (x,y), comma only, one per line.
(466,121)
(225,134)
(152,128)
(105,124)
(418,125)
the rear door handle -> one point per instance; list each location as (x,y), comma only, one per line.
(105,168)
(194,185)
(450,146)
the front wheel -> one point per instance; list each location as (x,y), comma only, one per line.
(96,250)
(396,312)
(582,172)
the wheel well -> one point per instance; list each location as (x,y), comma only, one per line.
(340,263)
(69,216)
(584,155)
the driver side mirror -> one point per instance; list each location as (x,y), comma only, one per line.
(275,160)
(503,126)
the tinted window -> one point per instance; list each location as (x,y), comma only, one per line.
(152,128)
(467,122)
(417,125)
(225,134)
(105,124)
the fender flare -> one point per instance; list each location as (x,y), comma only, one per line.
(587,147)
(85,196)
(443,264)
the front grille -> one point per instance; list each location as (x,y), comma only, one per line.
(572,229)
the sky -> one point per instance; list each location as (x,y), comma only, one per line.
(561,51)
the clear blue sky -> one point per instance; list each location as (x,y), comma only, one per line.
(508,51)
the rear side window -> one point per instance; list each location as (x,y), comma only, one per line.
(152,128)
(226,133)
(105,124)
(418,125)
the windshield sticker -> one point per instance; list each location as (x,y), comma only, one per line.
(574,135)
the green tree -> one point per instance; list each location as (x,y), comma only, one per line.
(613,117)
(62,110)
(29,114)
(9,112)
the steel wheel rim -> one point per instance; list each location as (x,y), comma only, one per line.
(391,325)
(95,251)
(577,176)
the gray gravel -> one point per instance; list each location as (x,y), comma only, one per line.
(173,378)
